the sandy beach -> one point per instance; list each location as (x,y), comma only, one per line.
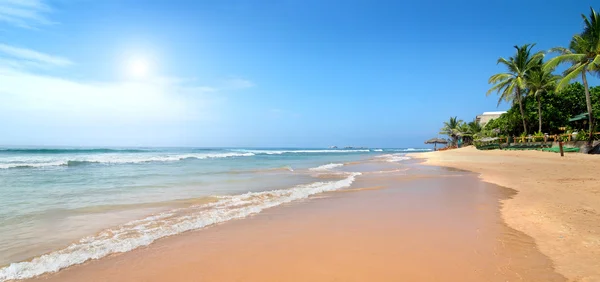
(557,204)
(407,223)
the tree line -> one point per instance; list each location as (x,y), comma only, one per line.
(540,96)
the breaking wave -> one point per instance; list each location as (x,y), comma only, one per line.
(142,232)
(280,152)
(326,167)
(71,161)
(70,151)
(392,158)
(411,150)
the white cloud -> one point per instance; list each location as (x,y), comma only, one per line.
(60,101)
(47,109)
(22,56)
(24,13)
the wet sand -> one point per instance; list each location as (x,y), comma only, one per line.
(558,200)
(415,225)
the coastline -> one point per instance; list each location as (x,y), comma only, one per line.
(557,204)
(420,224)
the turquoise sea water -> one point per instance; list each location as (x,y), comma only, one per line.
(63,206)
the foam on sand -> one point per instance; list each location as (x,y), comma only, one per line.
(326,167)
(415,150)
(392,158)
(142,232)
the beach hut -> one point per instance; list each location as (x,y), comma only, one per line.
(436,141)
(582,116)
(579,120)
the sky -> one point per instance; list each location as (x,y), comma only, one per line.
(285,73)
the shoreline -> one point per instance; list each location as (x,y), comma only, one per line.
(422,225)
(557,204)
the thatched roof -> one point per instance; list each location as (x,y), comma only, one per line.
(436,140)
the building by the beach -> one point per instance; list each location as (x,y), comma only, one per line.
(484,118)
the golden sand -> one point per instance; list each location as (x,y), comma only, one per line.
(558,200)
(422,229)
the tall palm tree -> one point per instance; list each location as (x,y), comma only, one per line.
(452,129)
(540,82)
(584,56)
(512,84)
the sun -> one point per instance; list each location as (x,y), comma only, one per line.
(138,67)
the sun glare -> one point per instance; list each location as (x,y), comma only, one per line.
(138,68)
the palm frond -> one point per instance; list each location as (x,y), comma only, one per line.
(520,81)
(508,94)
(594,66)
(554,62)
(560,50)
(499,87)
(499,77)
(503,61)
(574,73)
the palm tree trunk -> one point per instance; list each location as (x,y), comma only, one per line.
(539,113)
(519,99)
(588,101)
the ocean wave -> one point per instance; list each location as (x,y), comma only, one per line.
(108,159)
(70,151)
(17,165)
(392,158)
(411,150)
(326,167)
(378,150)
(145,231)
(280,152)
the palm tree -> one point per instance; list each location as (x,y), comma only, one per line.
(584,56)
(464,132)
(540,82)
(511,85)
(469,131)
(474,128)
(452,129)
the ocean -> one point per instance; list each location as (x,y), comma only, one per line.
(63,206)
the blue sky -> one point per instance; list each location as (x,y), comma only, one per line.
(257,73)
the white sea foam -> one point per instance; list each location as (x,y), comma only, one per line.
(279,152)
(143,232)
(378,150)
(392,158)
(326,167)
(24,164)
(37,161)
(411,150)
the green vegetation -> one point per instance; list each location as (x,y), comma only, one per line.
(555,107)
(584,56)
(457,129)
(541,81)
(512,84)
(452,129)
(539,96)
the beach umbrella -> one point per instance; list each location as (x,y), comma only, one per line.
(436,141)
